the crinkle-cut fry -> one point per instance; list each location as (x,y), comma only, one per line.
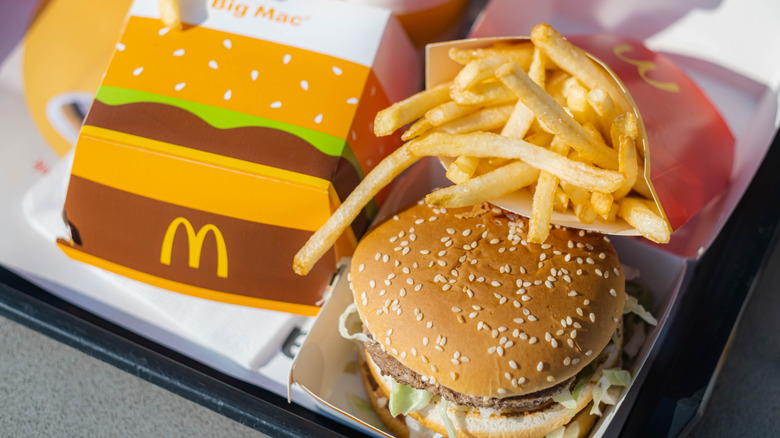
(449,111)
(417,129)
(486,119)
(170,13)
(462,169)
(324,238)
(494,184)
(644,220)
(603,105)
(521,53)
(577,63)
(486,144)
(554,117)
(601,202)
(484,93)
(412,108)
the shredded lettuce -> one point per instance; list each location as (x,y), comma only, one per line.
(582,379)
(451,433)
(632,306)
(405,399)
(557,433)
(566,399)
(609,378)
(355,334)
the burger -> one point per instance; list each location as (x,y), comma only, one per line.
(469,330)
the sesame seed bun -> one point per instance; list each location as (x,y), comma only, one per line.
(459,297)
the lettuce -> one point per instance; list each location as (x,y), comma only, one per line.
(609,378)
(582,379)
(353,332)
(405,399)
(632,306)
(566,399)
(451,433)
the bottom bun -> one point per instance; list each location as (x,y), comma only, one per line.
(473,423)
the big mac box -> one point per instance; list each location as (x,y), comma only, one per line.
(212,151)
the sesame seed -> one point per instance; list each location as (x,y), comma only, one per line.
(540,366)
(513,364)
(615,270)
(592,317)
(432,219)
(453,375)
(542,257)
(514,383)
(508,376)
(531,318)
(372,284)
(403,354)
(523,336)
(430,324)
(588,353)
(385,258)
(521,380)
(412,237)
(442,253)
(575,361)
(418,287)
(525,298)
(500,351)
(473,315)
(526,312)
(425,252)
(461,319)
(425,341)
(456,309)
(414,351)
(438,347)
(548,284)
(394,351)
(572,293)
(464,359)
(405,251)
(567,361)
(406,270)
(573,334)
(361,267)
(409,280)
(388,282)
(442,263)
(491,350)
(516,303)
(466,233)
(577,325)
(494,241)
(563,322)
(419,221)
(434,369)
(613,292)
(614,319)
(550,378)
(586,301)
(554,343)
(560,332)
(501,391)
(533,340)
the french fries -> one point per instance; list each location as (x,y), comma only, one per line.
(536,116)
(169,12)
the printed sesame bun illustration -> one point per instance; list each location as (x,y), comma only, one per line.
(496,336)
(217,153)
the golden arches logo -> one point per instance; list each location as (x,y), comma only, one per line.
(644,66)
(195,243)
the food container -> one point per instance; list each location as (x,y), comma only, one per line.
(664,269)
(212,152)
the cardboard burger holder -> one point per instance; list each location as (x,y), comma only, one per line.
(689,155)
(211,153)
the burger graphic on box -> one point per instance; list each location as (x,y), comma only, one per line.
(209,155)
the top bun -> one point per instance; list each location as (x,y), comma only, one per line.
(461,298)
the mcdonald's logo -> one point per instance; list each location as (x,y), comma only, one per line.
(195,242)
